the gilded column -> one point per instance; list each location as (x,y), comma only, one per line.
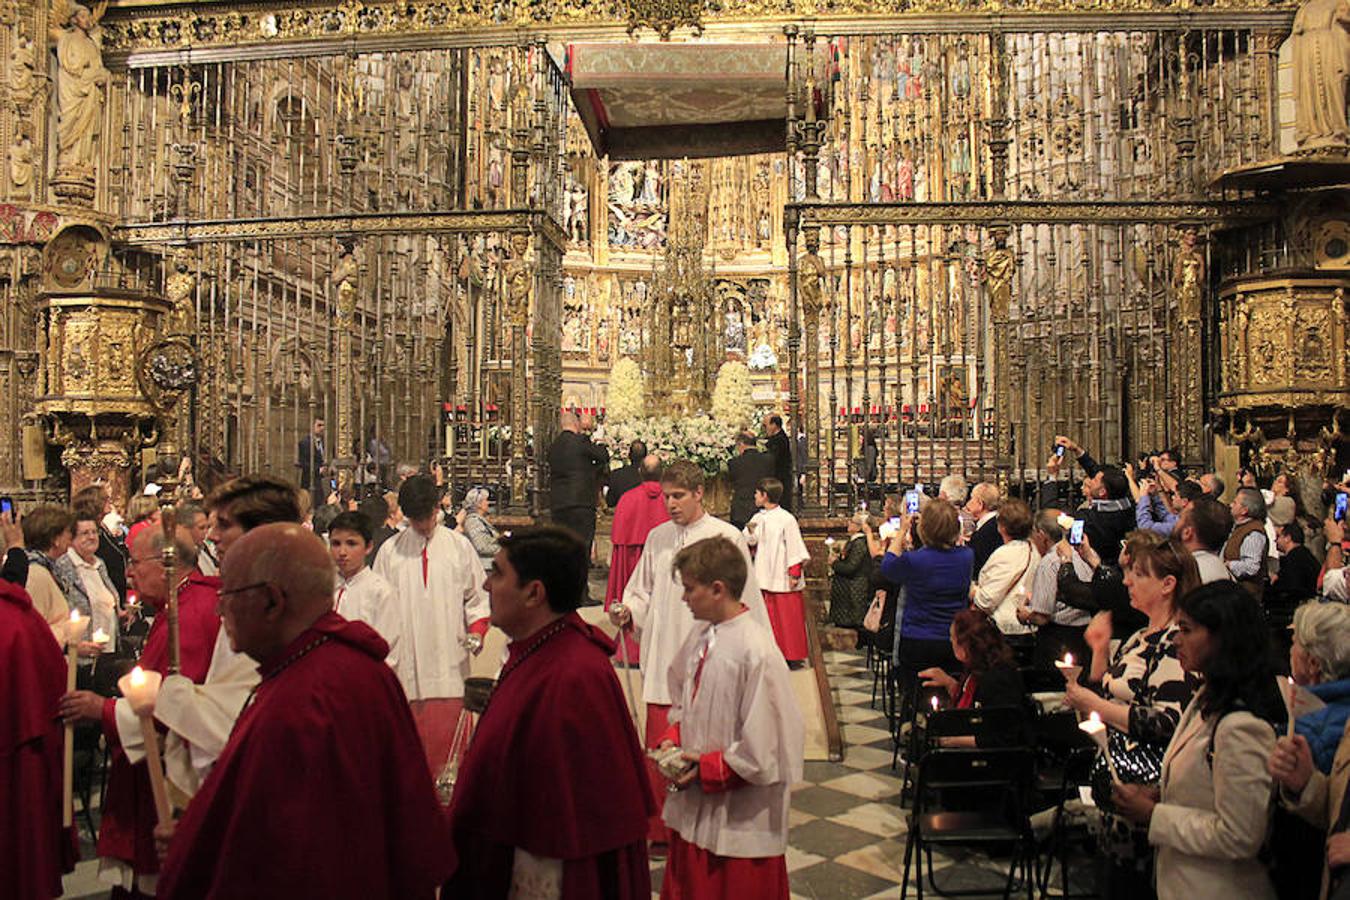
(345,276)
(1188,291)
(811,299)
(519,287)
(1000,264)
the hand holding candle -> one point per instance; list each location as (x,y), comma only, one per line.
(1096,729)
(1068,668)
(141,689)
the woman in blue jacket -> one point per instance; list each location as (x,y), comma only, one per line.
(1320,661)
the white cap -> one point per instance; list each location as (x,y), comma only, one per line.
(152,489)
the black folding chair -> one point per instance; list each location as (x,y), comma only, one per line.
(1076,771)
(972,798)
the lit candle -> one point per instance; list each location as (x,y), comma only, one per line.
(74,632)
(141,689)
(829,542)
(1293,697)
(100,636)
(1095,728)
(935,703)
(1068,669)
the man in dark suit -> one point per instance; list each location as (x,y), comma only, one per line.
(627,477)
(983,508)
(745,470)
(309,458)
(780,450)
(575,468)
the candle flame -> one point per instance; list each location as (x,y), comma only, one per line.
(935,704)
(1095,719)
(137,677)
(100,636)
(1068,659)
(74,616)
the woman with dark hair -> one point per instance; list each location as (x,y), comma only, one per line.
(1140,693)
(1209,818)
(989,674)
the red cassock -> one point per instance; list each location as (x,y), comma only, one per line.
(639,511)
(322,790)
(555,770)
(127,828)
(34,847)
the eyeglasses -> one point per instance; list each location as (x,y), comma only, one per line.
(136,561)
(241,589)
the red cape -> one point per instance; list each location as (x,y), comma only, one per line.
(33,844)
(554,769)
(639,511)
(322,791)
(127,828)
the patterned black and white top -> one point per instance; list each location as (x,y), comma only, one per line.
(1145,674)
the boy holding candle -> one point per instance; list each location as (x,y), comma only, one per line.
(739,733)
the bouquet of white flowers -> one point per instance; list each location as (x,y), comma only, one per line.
(703,441)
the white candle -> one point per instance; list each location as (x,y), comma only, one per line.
(1293,696)
(74,632)
(1068,669)
(100,636)
(1095,728)
(829,542)
(141,689)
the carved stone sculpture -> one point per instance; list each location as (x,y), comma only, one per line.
(519,280)
(999,266)
(1188,277)
(811,275)
(80,83)
(1320,45)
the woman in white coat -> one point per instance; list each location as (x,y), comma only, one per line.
(1210,822)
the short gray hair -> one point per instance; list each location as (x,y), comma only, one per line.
(1047,523)
(953,489)
(1254,502)
(474,497)
(1323,631)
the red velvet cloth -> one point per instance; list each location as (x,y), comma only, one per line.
(322,790)
(554,769)
(127,828)
(693,873)
(787,615)
(34,847)
(639,511)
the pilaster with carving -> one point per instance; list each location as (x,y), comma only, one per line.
(519,290)
(1189,287)
(1000,266)
(346,275)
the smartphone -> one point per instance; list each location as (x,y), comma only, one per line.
(1342,499)
(7,505)
(1059,450)
(911,502)
(1076,532)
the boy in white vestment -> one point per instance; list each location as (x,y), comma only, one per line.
(437,580)
(779,554)
(360,594)
(652,598)
(741,735)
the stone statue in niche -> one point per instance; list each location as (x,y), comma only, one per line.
(80,82)
(1320,46)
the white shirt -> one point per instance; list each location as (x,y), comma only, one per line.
(1334,585)
(1045,595)
(435,612)
(745,708)
(778,547)
(1005,582)
(368,598)
(654,595)
(102,601)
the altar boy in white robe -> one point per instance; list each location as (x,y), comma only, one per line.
(652,599)
(438,583)
(360,595)
(779,553)
(741,739)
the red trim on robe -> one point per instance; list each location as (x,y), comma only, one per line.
(481,627)
(715,776)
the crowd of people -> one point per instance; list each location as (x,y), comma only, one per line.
(1180,608)
(311,703)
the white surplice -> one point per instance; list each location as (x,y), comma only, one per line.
(368,598)
(778,547)
(654,595)
(744,707)
(434,615)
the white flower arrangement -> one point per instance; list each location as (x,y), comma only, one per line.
(702,440)
(733,402)
(624,399)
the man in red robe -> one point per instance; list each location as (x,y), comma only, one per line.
(126,846)
(323,789)
(553,790)
(33,845)
(639,511)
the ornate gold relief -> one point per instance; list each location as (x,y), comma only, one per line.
(664,16)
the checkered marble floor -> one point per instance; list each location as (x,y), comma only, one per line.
(847,838)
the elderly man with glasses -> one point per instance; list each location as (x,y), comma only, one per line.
(126,840)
